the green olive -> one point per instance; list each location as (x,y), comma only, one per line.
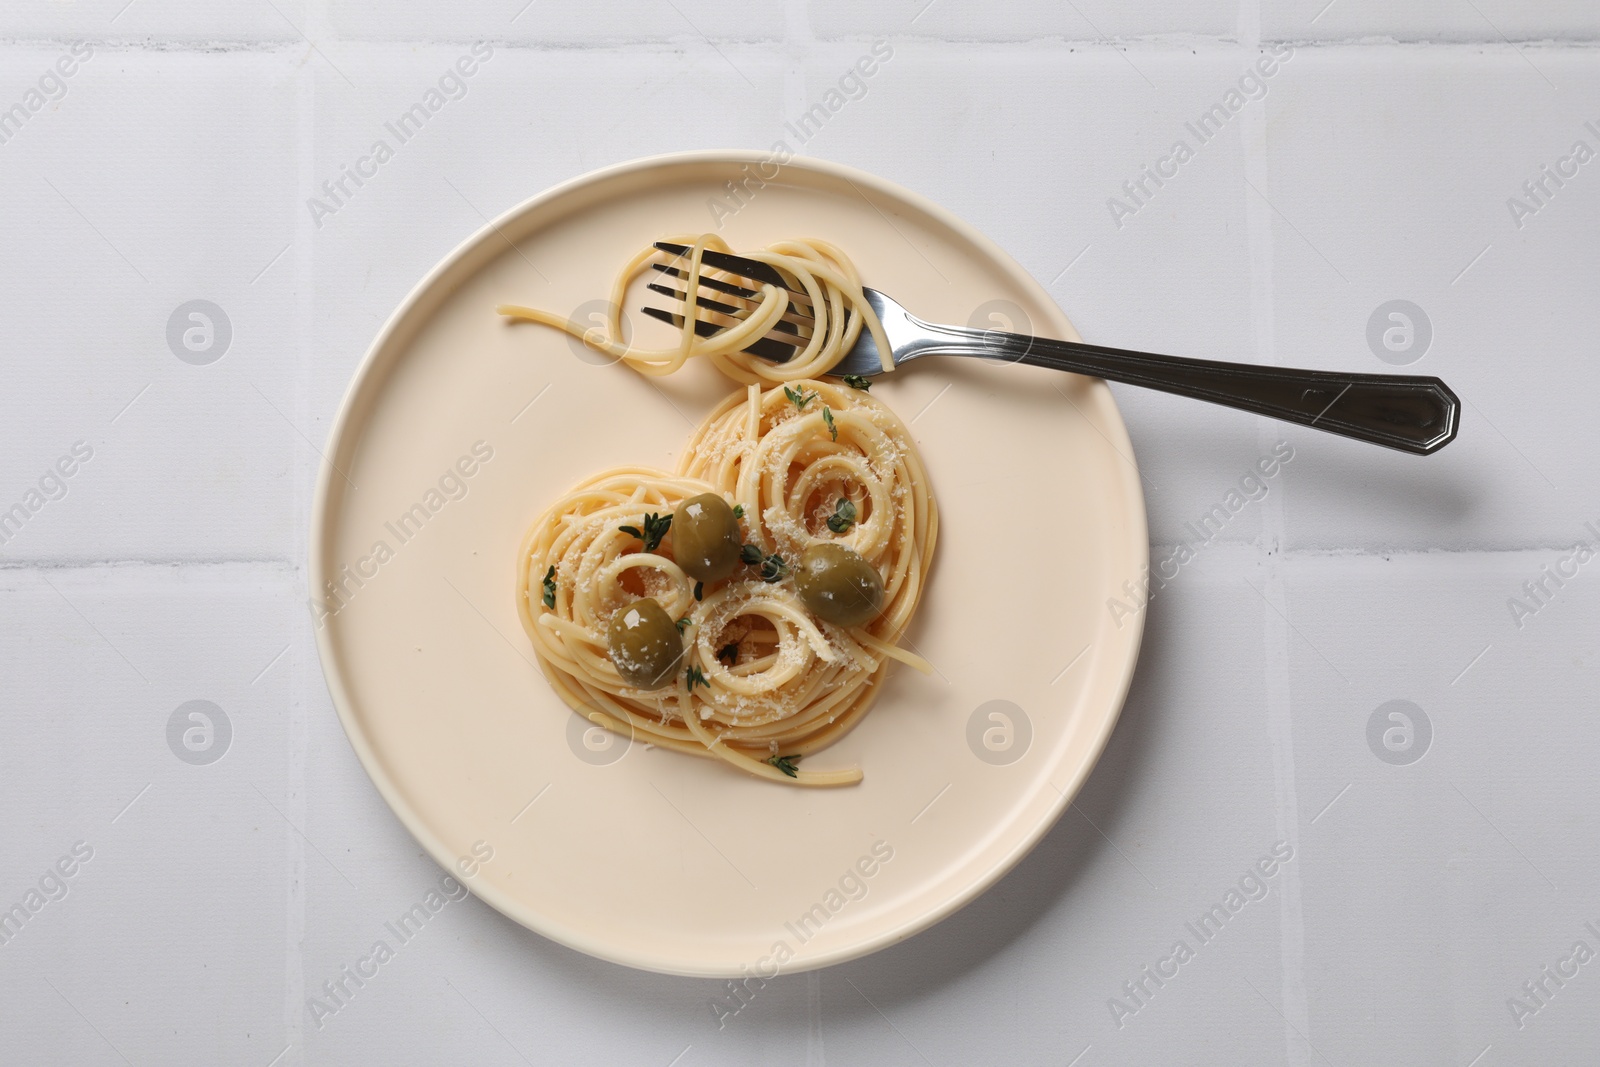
(646,647)
(838,585)
(705,538)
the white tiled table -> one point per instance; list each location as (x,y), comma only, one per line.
(174,164)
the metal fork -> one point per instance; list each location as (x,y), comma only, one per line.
(1411,413)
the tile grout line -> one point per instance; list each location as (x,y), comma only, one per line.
(1279,709)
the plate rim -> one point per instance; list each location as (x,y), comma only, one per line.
(318,570)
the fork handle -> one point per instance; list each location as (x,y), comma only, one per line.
(1408,412)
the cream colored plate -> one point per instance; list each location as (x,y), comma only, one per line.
(649,858)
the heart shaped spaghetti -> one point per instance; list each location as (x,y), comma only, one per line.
(763,680)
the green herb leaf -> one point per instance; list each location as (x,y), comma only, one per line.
(738,511)
(655,528)
(827,418)
(786,764)
(773,568)
(683,622)
(697,677)
(728,654)
(699,587)
(550,588)
(798,399)
(856,381)
(843,517)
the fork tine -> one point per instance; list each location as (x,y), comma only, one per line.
(765,347)
(747,268)
(710,283)
(799,304)
(725,309)
(704,301)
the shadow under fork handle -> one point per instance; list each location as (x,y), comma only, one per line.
(1411,413)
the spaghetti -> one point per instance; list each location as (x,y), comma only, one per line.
(806,468)
(823,274)
(778,682)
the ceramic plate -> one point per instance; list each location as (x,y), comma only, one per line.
(459,429)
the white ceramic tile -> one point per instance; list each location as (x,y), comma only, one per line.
(1088,20)
(1498,21)
(1375,202)
(544,22)
(150,22)
(182,892)
(1457,868)
(123,203)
